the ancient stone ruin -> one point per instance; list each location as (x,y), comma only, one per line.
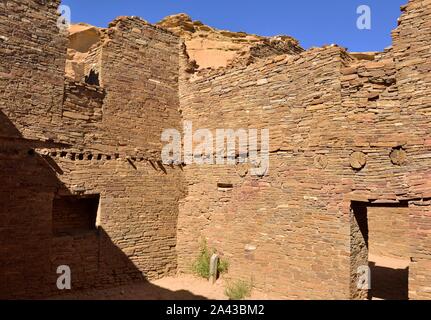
(82,182)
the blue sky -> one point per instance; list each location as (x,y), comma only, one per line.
(312,22)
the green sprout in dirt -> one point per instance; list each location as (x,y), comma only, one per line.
(201,266)
(239,290)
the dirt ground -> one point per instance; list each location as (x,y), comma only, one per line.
(184,287)
(389,278)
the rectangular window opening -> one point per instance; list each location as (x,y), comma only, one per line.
(224,186)
(73,215)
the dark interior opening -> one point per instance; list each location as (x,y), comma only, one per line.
(92,78)
(225,186)
(75,214)
(389,277)
(361,218)
(389,282)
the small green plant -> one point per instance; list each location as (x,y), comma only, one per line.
(223,266)
(238,290)
(201,266)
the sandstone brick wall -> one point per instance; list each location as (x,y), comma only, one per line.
(106,141)
(286,231)
(137,233)
(140,72)
(372,110)
(27,188)
(347,130)
(114,132)
(419,273)
(389,232)
(82,102)
(116,156)
(412,55)
(349,159)
(138,68)
(32,53)
(31,92)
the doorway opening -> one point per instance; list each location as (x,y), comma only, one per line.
(75,214)
(379,240)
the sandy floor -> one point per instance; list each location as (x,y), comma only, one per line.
(185,287)
(389,282)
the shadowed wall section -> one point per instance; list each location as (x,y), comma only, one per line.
(106,147)
(83,184)
(32,55)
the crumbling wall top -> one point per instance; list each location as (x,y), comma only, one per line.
(213,48)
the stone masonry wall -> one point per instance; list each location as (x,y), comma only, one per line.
(32,59)
(139,93)
(372,110)
(32,53)
(140,73)
(347,131)
(137,230)
(104,141)
(115,136)
(286,231)
(389,232)
(344,133)
(412,56)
